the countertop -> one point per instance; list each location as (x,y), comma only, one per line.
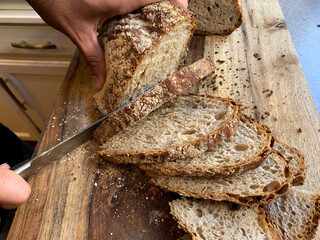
(303,21)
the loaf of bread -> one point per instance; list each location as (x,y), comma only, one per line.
(295,215)
(142,49)
(246,150)
(185,126)
(208,220)
(220,17)
(259,186)
(161,93)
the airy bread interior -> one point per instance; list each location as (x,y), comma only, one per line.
(205,219)
(248,146)
(295,215)
(273,176)
(160,63)
(216,16)
(182,121)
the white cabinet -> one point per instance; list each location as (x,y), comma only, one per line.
(14,118)
(33,76)
(35,84)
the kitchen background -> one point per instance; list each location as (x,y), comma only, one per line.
(34,59)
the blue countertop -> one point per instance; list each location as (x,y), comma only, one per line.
(303,21)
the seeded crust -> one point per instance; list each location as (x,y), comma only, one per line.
(297,160)
(194,167)
(199,187)
(153,99)
(192,148)
(220,17)
(127,40)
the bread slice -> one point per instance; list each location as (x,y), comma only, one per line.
(207,220)
(153,99)
(183,127)
(220,17)
(295,215)
(246,150)
(297,160)
(261,185)
(142,49)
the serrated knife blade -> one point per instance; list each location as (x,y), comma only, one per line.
(31,166)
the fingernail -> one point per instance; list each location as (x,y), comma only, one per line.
(5,166)
(96,83)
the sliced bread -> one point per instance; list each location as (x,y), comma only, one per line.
(297,160)
(207,220)
(220,17)
(261,185)
(153,99)
(245,150)
(295,215)
(185,126)
(142,49)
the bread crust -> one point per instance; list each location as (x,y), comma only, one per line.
(153,99)
(300,176)
(225,171)
(243,200)
(135,35)
(266,225)
(182,151)
(181,223)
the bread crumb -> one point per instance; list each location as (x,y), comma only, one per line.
(257,56)
(270,93)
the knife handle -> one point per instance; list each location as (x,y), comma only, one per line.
(23,168)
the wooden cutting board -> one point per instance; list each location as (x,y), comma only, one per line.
(80,198)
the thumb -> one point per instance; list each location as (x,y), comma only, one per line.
(183,3)
(94,56)
(14,190)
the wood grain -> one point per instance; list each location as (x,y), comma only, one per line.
(79,198)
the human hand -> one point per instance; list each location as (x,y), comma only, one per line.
(79,19)
(14,190)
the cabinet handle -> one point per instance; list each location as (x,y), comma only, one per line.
(11,94)
(25,45)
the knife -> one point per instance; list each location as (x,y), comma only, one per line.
(31,166)
(188,76)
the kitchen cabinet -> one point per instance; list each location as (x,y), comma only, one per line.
(34,59)
(35,85)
